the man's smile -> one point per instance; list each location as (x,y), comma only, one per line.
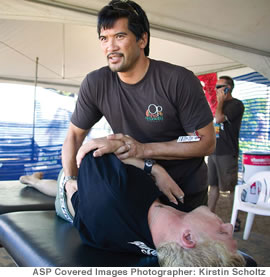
(115,57)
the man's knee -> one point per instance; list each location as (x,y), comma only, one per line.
(105,168)
(105,160)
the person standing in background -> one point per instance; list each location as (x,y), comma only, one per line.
(223,163)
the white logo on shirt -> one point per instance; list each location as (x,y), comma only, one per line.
(144,248)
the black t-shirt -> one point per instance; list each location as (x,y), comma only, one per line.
(111,210)
(167,103)
(228,134)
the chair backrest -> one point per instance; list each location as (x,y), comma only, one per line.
(261,180)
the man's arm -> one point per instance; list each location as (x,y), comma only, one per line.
(163,180)
(100,145)
(72,143)
(219,115)
(171,150)
(229,113)
(221,97)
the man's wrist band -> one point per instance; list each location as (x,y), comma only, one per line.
(67,178)
(148,164)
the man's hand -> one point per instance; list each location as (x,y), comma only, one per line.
(221,95)
(102,146)
(70,187)
(167,185)
(221,98)
(130,148)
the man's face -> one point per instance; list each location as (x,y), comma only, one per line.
(221,85)
(120,46)
(221,82)
(208,223)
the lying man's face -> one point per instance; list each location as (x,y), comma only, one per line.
(202,220)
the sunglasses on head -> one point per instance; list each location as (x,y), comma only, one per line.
(123,5)
(220,86)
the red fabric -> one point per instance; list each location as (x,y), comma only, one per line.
(208,82)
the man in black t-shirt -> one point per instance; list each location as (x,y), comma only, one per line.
(223,163)
(149,105)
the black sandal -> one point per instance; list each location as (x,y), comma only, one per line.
(237,226)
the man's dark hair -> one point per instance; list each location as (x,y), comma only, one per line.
(138,22)
(229,81)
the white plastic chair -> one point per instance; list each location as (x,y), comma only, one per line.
(262,207)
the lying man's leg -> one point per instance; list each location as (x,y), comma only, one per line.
(53,188)
(47,186)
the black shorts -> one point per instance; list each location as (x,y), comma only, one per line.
(223,171)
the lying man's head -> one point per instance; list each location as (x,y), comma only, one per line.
(199,239)
(207,253)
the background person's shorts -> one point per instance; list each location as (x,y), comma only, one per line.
(61,206)
(223,171)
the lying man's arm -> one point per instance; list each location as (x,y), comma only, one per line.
(162,179)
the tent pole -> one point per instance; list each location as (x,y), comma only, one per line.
(34,112)
(64,54)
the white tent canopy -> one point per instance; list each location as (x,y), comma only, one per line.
(202,35)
